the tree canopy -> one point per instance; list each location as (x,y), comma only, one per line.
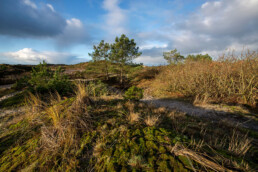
(124,51)
(173,57)
(102,52)
(199,57)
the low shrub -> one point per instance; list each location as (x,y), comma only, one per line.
(134,93)
(97,88)
(21,83)
(43,79)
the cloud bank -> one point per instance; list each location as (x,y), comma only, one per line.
(30,56)
(73,33)
(215,27)
(218,25)
(23,18)
(115,19)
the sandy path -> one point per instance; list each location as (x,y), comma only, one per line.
(211,114)
(9,95)
(6,86)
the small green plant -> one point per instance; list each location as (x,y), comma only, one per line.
(3,67)
(134,93)
(21,83)
(96,88)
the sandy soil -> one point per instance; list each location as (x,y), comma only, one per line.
(9,95)
(208,112)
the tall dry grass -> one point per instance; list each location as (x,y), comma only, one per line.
(230,79)
(62,124)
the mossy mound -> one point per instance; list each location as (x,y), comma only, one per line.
(144,149)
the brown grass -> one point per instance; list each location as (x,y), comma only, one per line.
(239,144)
(231,79)
(133,117)
(151,120)
(179,149)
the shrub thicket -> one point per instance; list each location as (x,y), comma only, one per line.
(134,93)
(43,79)
(231,80)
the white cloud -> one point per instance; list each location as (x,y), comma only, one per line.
(152,45)
(22,18)
(225,17)
(51,7)
(30,56)
(219,26)
(74,33)
(115,19)
(149,60)
(216,28)
(29,3)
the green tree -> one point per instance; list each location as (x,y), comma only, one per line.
(173,57)
(123,51)
(101,52)
(199,57)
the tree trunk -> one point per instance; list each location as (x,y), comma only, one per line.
(121,74)
(106,66)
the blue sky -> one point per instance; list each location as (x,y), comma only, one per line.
(64,31)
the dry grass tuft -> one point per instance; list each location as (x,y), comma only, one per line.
(119,105)
(160,110)
(34,103)
(151,120)
(179,149)
(82,98)
(54,112)
(133,117)
(130,105)
(238,144)
(98,149)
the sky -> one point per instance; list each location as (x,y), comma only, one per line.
(64,31)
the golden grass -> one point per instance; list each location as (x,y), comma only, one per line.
(130,105)
(133,117)
(232,80)
(239,144)
(179,149)
(151,120)
(34,103)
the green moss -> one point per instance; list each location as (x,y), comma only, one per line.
(186,161)
(20,156)
(162,149)
(151,145)
(163,166)
(133,150)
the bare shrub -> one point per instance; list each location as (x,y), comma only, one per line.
(230,79)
